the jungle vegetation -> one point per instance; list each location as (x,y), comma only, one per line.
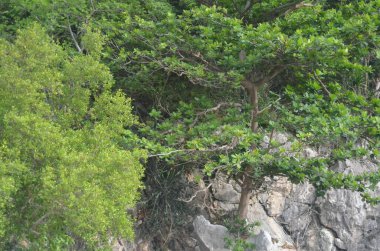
(94,92)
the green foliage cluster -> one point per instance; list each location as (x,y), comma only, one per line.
(67,175)
(213,82)
(240,230)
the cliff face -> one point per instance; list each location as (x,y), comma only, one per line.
(291,217)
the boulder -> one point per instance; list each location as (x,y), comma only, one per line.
(355,223)
(268,227)
(263,242)
(318,239)
(210,237)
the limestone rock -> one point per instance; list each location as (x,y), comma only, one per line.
(355,223)
(274,198)
(225,192)
(318,239)
(263,242)
(210,237)
(355,166)
(269,226)
(292,218)
(298,213)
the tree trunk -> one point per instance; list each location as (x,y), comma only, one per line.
(245,196)
(247,185)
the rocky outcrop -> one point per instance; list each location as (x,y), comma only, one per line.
(291,216)
(211,237)
(338,221)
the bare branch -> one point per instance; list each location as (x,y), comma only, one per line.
(214,109)
(228,147)
(74,39)
(168,153)
(322,84)
(266,108)
(298,6)
(195,195)
(272,74)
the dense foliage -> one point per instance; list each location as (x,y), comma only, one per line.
(67,173)
(213,83)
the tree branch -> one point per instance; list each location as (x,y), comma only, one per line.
(216,108)
(272,74)
(74,39)
(322,84)
(231,146)
(195,195)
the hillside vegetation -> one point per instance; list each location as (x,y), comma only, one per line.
(95,93)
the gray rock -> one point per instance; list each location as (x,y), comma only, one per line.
(210,237)
(274,198)
(318,239)
(355,166)
(309,153)
(326,240)
(263,242)
(298,212)
(225,192)
(292,214)
(256,213)
(355,223)
(338,221)
(340,244)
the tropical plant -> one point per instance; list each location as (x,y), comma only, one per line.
(67,171)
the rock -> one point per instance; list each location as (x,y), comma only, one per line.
(225,192)
(318,240)
(280,138)
(355,166)
(338,221)
(339,243)
(256,213)
(123,245)
(274,198)
(326,240)
(292,216)
(297,214)
(288,247)
(309,153)
(274,204)
(190,242)
(263,242)
(355,223)
(210,237)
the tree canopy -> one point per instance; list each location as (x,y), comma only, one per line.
(212,84)
(67,172)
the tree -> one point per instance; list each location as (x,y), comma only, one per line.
(68,170)
(221,77)
(305,69)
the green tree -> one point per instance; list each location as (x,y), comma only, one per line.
(223,76)
(68,172)
(304,70)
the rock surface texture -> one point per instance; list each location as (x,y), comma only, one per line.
(210,237)
(291,217)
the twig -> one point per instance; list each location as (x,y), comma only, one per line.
(322,84)
(168,153)
(231,146)
(213,109)
(195,195)
(266,108)
(74,39)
